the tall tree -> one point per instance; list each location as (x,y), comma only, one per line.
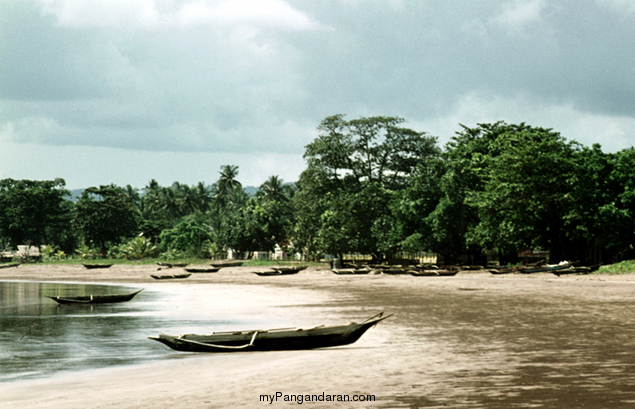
(518,180)
(30,210)
(104,215)
(353,169)
(226,185)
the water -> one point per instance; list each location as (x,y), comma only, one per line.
(40,338)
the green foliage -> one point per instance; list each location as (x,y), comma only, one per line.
(32,210)
(355,168)
(139,248)
(527,180)
(104,215)
(370,186)
(48,252)
(172,254)
(623,267)
(188,237)
(86,253)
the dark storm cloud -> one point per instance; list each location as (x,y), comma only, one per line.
(257,77)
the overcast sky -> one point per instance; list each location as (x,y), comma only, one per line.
(124,91)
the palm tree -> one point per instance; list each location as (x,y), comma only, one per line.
(187,200)
(226,184)
(152,196)
(273,190)
(203,197)
(170,203)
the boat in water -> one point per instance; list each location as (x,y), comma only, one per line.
(95,298)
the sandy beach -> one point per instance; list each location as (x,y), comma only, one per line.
(475,340)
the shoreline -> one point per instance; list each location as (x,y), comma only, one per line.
(468,341)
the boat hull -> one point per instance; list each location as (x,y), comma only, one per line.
(170,276)
(95,299)
(271,340)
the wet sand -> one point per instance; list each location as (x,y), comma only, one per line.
(475,340)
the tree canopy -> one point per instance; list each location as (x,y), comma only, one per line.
(370,186)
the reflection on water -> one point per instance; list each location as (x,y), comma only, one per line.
(39,337)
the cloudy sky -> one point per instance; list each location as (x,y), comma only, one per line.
(124,91)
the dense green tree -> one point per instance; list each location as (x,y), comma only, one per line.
(508,187)
(104,215)
(409,224)
(353,170)
(249,228)
(601,223)
(226,186)
(187,236)
(34,212)
(274,198)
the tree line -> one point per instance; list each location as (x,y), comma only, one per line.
(370,186)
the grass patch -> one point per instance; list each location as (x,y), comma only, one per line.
(623,267)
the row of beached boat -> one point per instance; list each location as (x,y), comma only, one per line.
(248,340)
(445,271)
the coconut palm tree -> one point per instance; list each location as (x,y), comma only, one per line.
(226,185)
(273,190)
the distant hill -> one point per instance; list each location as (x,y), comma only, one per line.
(251,190)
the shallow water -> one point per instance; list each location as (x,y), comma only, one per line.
(39,337)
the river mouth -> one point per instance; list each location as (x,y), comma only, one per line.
(41,338)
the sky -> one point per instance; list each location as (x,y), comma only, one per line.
(125,91)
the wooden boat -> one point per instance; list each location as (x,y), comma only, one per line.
(274,273)
(202,269)
(273,339)
(96,265)
(227,263)
(576,270)
(348,271)
(280,271)
(289,269)
(266,273)
(424,273)
(169,276)
(433,273)
(544,268)
(392,270)
(95,299)
(506,270)
(170,265)
(8,265)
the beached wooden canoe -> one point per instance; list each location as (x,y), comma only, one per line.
(501,270)
(349,271)
(433,273)
(227,263)
(268,273)
(95,298)
(170,265)
(576,270)
(96,265)
(281,271)
(7,265)
(392,270)
(169,276)
(544,268)
(271,340)
(202,269)
(289,269)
